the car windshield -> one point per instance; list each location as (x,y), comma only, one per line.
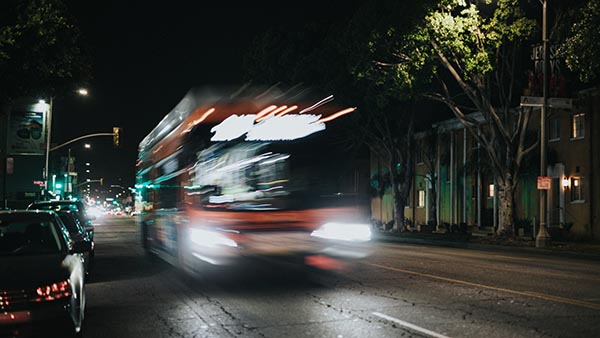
(71,222)
(24,234)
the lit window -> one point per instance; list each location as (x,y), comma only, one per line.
(577,189)
(554,134)
(421,199)
(491,190)
(578,126)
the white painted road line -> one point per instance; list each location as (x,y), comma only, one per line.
(409,325)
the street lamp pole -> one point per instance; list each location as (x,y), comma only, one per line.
(69,178)
(80,91)
(48,134)
(542,238)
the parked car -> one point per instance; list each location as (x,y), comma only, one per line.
(78,233)
(42,288)
(75,206)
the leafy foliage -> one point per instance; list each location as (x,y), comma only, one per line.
(581,46)
(41,49)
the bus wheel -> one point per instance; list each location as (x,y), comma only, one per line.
(144,235)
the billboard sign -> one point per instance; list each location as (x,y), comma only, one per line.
(27,130)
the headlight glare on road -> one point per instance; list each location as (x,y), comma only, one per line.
(344,232)
(210,239)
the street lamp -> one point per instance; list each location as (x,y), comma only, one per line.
(80,91)
(87,146)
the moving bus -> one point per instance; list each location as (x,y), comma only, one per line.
(252,172)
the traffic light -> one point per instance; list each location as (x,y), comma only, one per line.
(116,135)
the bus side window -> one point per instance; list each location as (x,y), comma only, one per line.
(167,193)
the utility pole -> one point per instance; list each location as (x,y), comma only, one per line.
(543,238)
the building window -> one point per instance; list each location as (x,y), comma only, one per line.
(577,189)
(578,126)
(554,133)
(419,154)
(421,203)
(491,190)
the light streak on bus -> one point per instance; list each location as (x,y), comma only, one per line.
(336,115)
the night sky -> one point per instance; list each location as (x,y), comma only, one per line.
(145,57)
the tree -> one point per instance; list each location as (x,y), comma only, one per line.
(41,49)
(473,48)
(352,58)
(477,48)
(387,120)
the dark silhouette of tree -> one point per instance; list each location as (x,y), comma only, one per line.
(41,49)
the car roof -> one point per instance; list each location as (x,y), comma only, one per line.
(28,212)
(57,202)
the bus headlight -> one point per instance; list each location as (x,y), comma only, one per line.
(344,232)
(210,239)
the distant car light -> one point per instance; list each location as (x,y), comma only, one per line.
(344,232)
(210,239)
(93,211)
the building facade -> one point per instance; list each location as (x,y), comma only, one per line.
(454,188)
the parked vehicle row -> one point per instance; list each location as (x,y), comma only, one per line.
(43,272)
(46,258)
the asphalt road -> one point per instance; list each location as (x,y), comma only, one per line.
(399,291)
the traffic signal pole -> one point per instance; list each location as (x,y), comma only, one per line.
(80,138)
(115,134)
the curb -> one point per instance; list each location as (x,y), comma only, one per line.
(464,243)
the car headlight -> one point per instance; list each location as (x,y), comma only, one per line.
(210,239)
(53,291)
(344,232)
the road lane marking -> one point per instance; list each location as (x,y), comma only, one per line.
(514,258)
(409,325)
(522,293)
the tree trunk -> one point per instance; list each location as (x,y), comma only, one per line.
(506,215)
(398,201)
(432,196)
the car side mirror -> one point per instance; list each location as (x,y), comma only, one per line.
(81,246)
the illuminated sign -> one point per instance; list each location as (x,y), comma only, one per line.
(40,183)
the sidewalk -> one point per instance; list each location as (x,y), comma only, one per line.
(484,241)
